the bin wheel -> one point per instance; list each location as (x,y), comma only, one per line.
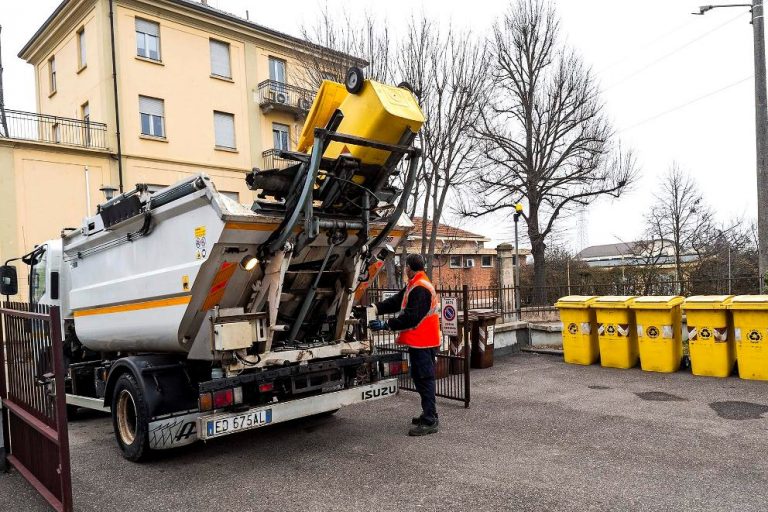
(130,418)
(354,80)
(407,87)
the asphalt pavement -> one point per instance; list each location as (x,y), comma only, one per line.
(540,435)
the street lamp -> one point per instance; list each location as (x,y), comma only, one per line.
(109,191)
(518,309)
(761,132)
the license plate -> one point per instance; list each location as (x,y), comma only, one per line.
(237,422)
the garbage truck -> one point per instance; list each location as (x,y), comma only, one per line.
(189,316)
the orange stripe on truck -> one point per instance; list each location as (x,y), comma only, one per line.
(135,306)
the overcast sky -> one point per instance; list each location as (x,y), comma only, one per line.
(677,88)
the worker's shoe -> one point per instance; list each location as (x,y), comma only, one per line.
(423,429)
(418,420)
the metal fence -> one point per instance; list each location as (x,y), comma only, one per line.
(31,352)
(452,380)
(280,95)
(54,129)
(271,160)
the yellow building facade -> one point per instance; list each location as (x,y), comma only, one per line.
(194,90)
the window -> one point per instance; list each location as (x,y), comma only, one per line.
(277,70)
(83,60)
(85,111)
(152,116)
(224,128)
(220,59)
(486,261)
(469,263)
(235,196)
(327,75)
(280,136)
(52,74)
(455,262)
(37,278)
(147,39)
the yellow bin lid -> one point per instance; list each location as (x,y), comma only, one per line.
(658,302)
(707,302)
(575,302)
(753,302)
(614,301)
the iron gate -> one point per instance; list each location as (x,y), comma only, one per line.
(34,400)
(452,364)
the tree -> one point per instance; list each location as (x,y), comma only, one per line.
(446,71)
(680,217)
(338,43)
(544,136)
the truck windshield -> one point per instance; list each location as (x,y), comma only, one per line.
(37,278)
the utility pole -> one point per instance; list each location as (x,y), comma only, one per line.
(761,130)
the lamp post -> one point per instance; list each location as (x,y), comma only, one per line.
(761,132)
(518,309)
(109,191)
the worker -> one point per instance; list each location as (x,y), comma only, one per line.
(418,325)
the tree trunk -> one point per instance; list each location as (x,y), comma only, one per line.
(539,273)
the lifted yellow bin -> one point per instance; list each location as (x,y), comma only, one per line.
(710,336)
(616,331)
(659,332)
(579,329)
(377,112)
(750,322)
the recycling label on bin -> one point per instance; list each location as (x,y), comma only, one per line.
(717,334)
(573,328)
(620,330)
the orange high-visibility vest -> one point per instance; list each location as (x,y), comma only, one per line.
(427,333)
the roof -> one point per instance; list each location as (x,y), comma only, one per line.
(444,231)
(200,7)
(607,250)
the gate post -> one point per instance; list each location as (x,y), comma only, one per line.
(61,408)
(467,351)
(3,420)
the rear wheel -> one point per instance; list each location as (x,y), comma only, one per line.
(130,418)
(354,80)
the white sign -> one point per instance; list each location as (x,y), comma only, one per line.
(449,315)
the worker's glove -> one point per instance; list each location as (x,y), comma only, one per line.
(378,325)
(358,311)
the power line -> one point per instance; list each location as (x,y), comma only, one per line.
(673,52)
(646,45)
(673,109)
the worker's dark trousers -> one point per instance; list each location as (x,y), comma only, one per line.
(423,374)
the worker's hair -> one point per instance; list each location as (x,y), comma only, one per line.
(415,262)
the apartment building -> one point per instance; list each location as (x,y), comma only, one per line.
(194,89)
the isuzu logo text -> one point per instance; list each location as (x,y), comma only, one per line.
(370,394)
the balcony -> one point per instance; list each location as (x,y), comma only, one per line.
(271,160)
(53,130)
(282,97)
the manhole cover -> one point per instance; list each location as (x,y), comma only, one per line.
(734,410)
(598,387)
(660,396)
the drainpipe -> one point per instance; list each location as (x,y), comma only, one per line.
(117,105)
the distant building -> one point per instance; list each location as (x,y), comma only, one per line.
(461,257)
(658,253)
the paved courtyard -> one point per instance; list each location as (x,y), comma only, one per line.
(540,435)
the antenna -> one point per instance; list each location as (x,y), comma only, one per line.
(581,230)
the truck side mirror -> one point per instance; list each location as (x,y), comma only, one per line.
(9,284)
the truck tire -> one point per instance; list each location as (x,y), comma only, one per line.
(130,418)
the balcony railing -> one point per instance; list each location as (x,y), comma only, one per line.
(274,95)
(54,130)
(271,160)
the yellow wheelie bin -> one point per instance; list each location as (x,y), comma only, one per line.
(616,331)
(750,326)
(710,335)
(659,332)
(579,329)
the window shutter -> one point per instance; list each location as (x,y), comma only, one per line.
(152,106)
(224,127)
(147,27)
(220,59)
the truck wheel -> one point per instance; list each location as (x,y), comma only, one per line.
(130,418)
(354,80)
